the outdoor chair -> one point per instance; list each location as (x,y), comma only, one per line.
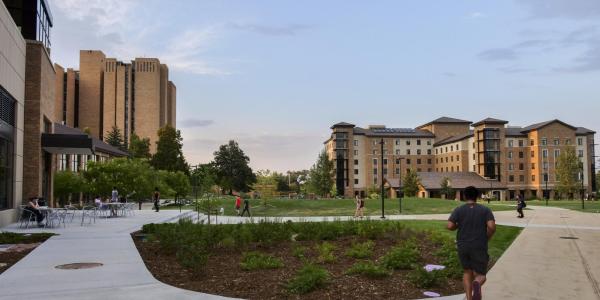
(71,210)
(56,216)
(90,212)
(25,216)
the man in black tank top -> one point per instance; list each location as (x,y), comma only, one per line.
(476,225)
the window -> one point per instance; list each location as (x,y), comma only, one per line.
(580,141)
(446,158)
(355,152)
(473,156)
(374,171)
(533,166)
(428,142)
(544,142)
(385,171)
(521,155)
(397,142)
(446,149)
(510,155)
(511,178)
(355,181)
(428,151)
(511,166)
(457,158)
(385,161)
(521,167)
(408,161)
(446,169)
(546,178)
(407,142)
(531,142)
(521,143)
(418,169)
(556,153)
(556,142)
(418,151)
(375,162)
(474,168)
(385,152)
(356,162)
(429,160)
(436,151)
(545,166)
(407,151)
(521,178)
(397,161)
(397,171)
(374,152)
(355,142)
(532,177)
(451,158)
(355,171)
(568,142)
(436,161)
(418,142)
(418,161)
(510,143)
(397,151)
(580,153)
(544,153)
(457,147)
(451,148)
(473,145)
(375,180)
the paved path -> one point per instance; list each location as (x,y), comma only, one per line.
(539,264)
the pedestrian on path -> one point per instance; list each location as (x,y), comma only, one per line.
(246,208)
(360,206)
(520,205)
(114,195)
(238,204)
(156,198)
(476,225)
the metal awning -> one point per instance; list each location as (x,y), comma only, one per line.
(67,143)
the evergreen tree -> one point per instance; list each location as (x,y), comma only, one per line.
(115,138)
(321,175)
(446,189)
(567,172)
(169,153)
(411,183)
(139,148)
(232,169)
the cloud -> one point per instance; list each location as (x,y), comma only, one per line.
(477,15)
(588,61)
(189,123)
(566,9)
(184,52)
(532,43)
(449,74)
(106,14)
(514,70)
(286,30)
(498,54)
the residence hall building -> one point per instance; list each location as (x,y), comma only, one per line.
(31,135)
(136,97)
(488,154)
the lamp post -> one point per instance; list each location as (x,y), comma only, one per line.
(401,192)
(382,202)
(491,191)
(546,193)
(581,193)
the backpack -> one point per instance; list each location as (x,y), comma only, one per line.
(524,204)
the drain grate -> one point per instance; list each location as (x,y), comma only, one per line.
(569,238)
(78,266)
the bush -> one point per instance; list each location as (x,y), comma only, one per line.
(423,279)
(402,257)
(449,258)
(309,278)
(361,250)
(299,251)
(192,258)
(259,261)
(369,269)
(325,251)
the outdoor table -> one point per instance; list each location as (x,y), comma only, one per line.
(45,210)
(113,206)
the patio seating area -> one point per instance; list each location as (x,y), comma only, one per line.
(72,215)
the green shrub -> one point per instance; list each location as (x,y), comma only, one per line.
(423,279)
(369,269)
(449,258)
(361,250)
(402,257)
(309,278)
(325,251)
(299,251)
(259,261)
(227,242)
(192,258)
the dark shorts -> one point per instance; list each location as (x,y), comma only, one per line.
(475,259)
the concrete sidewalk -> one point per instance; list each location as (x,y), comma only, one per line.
(538,265)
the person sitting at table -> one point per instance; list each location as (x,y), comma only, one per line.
(98,202)
(33,208)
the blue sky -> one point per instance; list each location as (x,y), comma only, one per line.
(274,75)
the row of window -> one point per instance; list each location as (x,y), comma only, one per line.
(544,142)
(385,161)
(445,159)
(75,162)
(451,169)
(396,142)
(446,149)
(544,153)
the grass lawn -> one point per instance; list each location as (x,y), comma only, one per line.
(590,206)
(346,207)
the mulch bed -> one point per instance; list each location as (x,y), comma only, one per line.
(222,274)
(10,256)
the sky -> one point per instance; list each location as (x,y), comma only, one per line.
(275,75)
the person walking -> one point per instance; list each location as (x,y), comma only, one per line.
(114,195)
(246,208)
(520,205)
(156,198)
(238,204)
(476,225)
(360,205)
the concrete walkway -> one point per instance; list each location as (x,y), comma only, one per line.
(538,265)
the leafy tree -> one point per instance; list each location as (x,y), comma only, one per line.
(169,153)
(446,189)
(132,177)
(373,192)
(138,147)
(411,183)
(179,183)
(321,175)
(296,178)
(67,184)
(115,138)
(567,171)
(232,169)
(204,178)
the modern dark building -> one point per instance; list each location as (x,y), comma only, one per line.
(33,18)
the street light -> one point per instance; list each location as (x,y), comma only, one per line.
(581,193)
(401,192)
(382,202)
(546,193)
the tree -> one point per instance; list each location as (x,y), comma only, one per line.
(179,183)
(204,178)
(138,147)
(169,153)
(321,175)
(445,188)
(66,185)
(567,171)
(133,178)
(115,138)
(411,183)
(232,169)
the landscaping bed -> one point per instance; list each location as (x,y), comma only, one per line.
(15,246)
(329,260)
